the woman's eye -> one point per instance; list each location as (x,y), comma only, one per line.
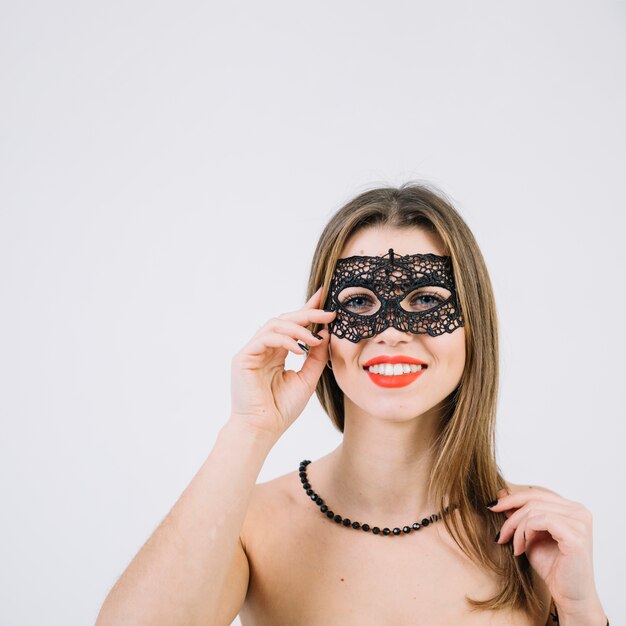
(365,304)
(429,298)
(426,301)
(357,301)
(360,303)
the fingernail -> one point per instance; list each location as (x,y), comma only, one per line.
(497,537)
(492,503)
(316,336)
(303,346)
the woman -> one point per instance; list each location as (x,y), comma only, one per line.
(396,525)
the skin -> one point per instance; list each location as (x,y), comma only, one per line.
(303,567)
(384,461)
(556,535)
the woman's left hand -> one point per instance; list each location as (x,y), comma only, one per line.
(556,535)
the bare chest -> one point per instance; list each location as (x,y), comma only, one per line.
(306,570)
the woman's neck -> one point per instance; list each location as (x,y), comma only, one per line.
(382,468)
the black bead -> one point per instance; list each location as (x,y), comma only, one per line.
(366,527)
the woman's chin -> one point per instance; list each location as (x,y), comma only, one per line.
(391,412)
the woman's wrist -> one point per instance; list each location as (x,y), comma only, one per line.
(584,616)
(242,427)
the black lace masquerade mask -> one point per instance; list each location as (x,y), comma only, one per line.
(414,293)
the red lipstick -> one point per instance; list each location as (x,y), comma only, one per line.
(402,380)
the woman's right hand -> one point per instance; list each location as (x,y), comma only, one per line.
(265,396)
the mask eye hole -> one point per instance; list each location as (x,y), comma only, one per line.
(425,298)
(362,301)
(359,300)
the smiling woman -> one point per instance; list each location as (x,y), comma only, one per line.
(400,336)
(432,432)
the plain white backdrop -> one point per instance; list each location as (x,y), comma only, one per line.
(165,172)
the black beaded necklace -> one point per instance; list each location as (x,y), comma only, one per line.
(356,525)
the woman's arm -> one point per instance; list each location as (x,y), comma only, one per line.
(178,576)
(556,535)
(553,616)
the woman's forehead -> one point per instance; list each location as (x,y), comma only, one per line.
(405,241)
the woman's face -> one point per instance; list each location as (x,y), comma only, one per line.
(444,354)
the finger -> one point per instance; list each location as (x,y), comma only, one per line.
(565,531)
(521,496)
(306,316)
(313,301)
(259,344)
(315,361)
(303,346)
(528,536)
(524,535)
(312,304)
(532,537)
(519,539)
(293,329)
(517,519)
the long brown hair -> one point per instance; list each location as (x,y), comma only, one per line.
(465,469)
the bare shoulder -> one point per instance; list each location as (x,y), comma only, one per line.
(282,537)
(280,488)
(513,487)
(267,498)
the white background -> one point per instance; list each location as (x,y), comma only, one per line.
(165,172)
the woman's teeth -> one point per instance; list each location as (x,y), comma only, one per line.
(387,369)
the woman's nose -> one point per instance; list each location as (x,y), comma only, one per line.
(392,336)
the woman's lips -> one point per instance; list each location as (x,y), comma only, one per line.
(393,359)
(400,380)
